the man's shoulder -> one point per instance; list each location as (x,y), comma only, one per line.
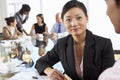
(111,73)
(55,24)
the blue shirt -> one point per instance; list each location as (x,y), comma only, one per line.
(56,27)
(62,33)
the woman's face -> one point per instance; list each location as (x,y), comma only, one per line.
(39,20)
(26,12)
(75,21)
(14,23)
(113,11)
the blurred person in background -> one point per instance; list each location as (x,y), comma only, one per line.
(39,32)
(39,28)
(22,16)
(58,30)
(10,31)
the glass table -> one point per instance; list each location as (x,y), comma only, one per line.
(31,72)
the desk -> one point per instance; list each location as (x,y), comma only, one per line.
(23,73)
(28,75)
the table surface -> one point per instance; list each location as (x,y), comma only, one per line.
(28,75)
(24,73)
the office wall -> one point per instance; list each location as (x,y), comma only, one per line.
(99,22)
(9,7)
(3,13)
(50,8)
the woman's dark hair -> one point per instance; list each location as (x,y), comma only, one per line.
(72,4)
(41,16)
(9,20)
(117,2)
(25,8)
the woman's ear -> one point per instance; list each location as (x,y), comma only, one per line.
(87,18)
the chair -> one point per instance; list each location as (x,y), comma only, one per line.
(0,36)
(117,54)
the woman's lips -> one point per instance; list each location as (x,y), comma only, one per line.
(75,29)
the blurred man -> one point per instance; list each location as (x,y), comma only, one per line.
(58,30)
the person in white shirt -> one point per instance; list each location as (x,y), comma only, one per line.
(58,30)
(113,11)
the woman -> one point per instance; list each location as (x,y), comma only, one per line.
(24,11)
(83,55)
(10,31)
(41,31)
(113,11)
(40,27)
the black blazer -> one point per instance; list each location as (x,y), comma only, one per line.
(98,55)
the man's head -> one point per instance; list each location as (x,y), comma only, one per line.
(113,11)
(58,18)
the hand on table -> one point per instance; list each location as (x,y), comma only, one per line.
(54,74)
(53,36)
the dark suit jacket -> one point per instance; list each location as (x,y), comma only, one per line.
(98,55)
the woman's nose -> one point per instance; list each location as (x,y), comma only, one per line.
(73,23)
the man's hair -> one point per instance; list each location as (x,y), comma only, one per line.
(117,3)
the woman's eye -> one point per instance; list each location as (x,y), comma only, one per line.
(68,20)
(78,18)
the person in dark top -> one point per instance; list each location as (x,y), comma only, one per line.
(40,27)
(83,55)
(40,30)
(20,17)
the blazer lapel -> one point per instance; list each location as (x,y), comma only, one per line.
(70,53)
(89,41)
(88,52)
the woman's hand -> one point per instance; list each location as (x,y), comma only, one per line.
(53,36)
(37,36)
(54,74)
(45,33)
